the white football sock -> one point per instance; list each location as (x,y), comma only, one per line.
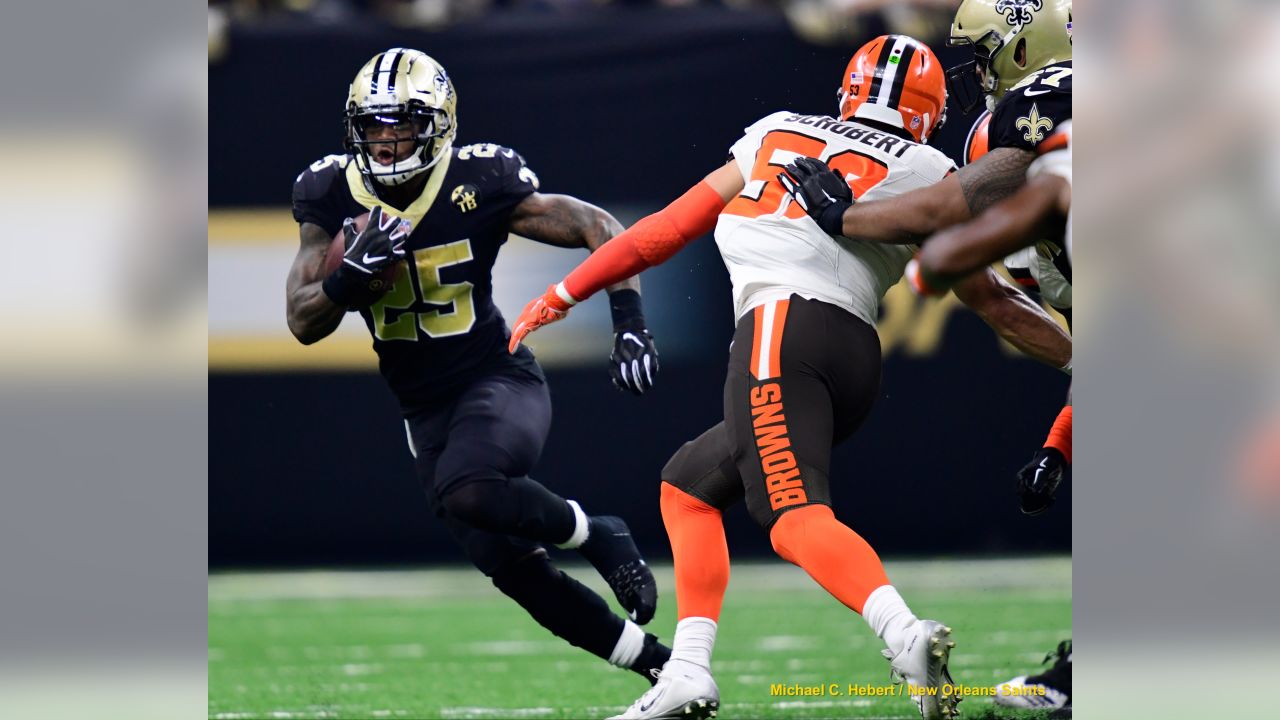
(630,643)
(695,636)
(888,615)
(581,528)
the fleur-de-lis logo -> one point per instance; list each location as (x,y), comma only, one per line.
(443,88)
(1018,12)
(1034,125)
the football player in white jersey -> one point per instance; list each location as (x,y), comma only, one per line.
(804,366)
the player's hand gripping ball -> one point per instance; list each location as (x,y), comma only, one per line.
(360,265)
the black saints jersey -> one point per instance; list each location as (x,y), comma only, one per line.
(1031,110)
(437,329)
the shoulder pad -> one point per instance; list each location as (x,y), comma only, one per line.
(488,151)
(501,164)
(1033,109)
(315,182)
(931,162)
(770,118)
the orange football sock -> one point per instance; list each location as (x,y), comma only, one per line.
(833,554)
(1060,435)
(701,554)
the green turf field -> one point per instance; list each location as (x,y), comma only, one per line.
(445,644)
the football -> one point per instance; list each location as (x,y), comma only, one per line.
(338,247)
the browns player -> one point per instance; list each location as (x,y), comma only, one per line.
(476,416)
(804,367)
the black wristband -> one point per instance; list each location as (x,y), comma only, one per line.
(337,290)
(832,219)
(627,310)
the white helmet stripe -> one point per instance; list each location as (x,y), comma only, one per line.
(891,70)
(385,79)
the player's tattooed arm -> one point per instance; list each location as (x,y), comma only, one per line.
(312,315)
(993,177)
(1033,211)
(568,222)
(1015,317)
(914,216)
(907,218)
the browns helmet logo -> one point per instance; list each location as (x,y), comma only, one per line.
(464,196)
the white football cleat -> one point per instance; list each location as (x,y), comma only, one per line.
(923,665)
(684,691)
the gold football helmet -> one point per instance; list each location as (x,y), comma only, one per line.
(400,90)
(1010,40)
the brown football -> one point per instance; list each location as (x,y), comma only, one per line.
(338,247)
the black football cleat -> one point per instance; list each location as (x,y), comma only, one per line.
(611,550)
(1050,690)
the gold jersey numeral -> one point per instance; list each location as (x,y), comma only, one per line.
(439,323)
(391,321)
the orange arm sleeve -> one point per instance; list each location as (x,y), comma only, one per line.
(651,241)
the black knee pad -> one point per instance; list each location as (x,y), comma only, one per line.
(474,500)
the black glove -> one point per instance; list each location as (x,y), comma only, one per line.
(1038,481)
(819,191)
(633,364)
(357,281)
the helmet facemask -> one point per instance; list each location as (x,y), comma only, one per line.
(372,129)
(970,82)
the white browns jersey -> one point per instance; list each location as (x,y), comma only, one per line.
(773,249)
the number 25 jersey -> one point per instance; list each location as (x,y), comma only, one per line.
(437,329)
(773,249)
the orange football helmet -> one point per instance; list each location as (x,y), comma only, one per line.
(978,142)
(896,80)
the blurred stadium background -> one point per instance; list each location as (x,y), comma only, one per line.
(624,104)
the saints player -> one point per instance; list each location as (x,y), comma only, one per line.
(804,366)
(476,416)
(1032,231)
(1036,222)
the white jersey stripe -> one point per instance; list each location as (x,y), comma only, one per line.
(763,370)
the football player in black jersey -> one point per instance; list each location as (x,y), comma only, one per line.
(419,274)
